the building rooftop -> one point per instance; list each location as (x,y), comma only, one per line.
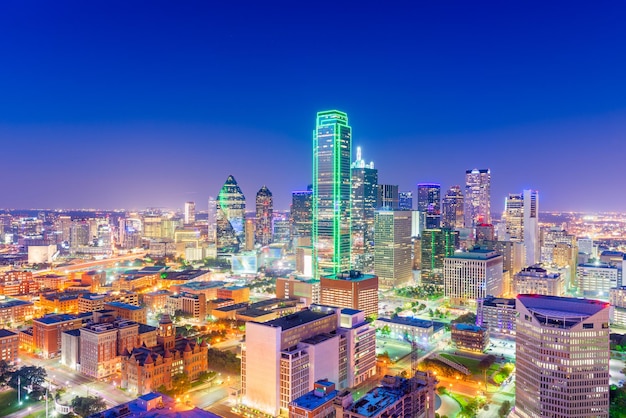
(124,306)
(494,301)
(153,405)
(6,333)
(55,318)
(352,275)
(561,312)
(410,321)
(380,398)
(467,327)
(313,400)
(9,303)
(350,311)
(235,307)
(73,332)
(297,319)
(143,328)
(476,254)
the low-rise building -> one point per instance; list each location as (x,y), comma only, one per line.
(404,328)
(536,280)
(497,315)
(469,337)
(292,287)
(14,312)
(155,301)
(9,344)
(318,403)
(59,302)
(47,332)
(395,397)
(144,369)
(129,312)
(190,304)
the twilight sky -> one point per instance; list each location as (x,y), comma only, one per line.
(131,104)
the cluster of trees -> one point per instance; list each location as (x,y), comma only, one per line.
(504,409)
(468,318)
(220,263)
(30,378)
(438,313)
(224,361)
(425,291)
(87,405)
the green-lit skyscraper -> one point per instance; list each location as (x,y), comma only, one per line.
(437,244)
(332,148)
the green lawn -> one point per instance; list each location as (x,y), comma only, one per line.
(8,403)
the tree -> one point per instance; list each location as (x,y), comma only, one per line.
(504,409)
(5,372)
(468,318)
(28,376)
(87,405)
(385,330)
(180,384)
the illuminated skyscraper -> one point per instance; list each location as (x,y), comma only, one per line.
(230,217)
(392,252)
(521,214)
(429,205)
(388,197)
(364,198)
(452,209)
(437,244)
(477,197)
(562,357)
(264,211)
(332,147)
(190,213)
(301,212)
(405,200)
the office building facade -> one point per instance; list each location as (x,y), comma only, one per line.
(264,216)
(392,250)
(230,217)
(477,201)
(562,357)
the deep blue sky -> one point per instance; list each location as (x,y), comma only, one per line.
(132,104)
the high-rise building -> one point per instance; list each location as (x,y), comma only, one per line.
(429,197)
(452,208)
(190,213)
(264,211)
(364,205)
(477,197)
(388,197)
(538,281)
(436,244)
(562,357)
(212,219)
(332,149)
(352,290)
(301,212)
(79,234)
(405,200)
(521,214)
(392,252)
(230,217)
(472,275)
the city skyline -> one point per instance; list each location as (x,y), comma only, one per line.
(101,106)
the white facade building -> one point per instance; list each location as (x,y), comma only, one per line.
(562,357)
(472,275)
